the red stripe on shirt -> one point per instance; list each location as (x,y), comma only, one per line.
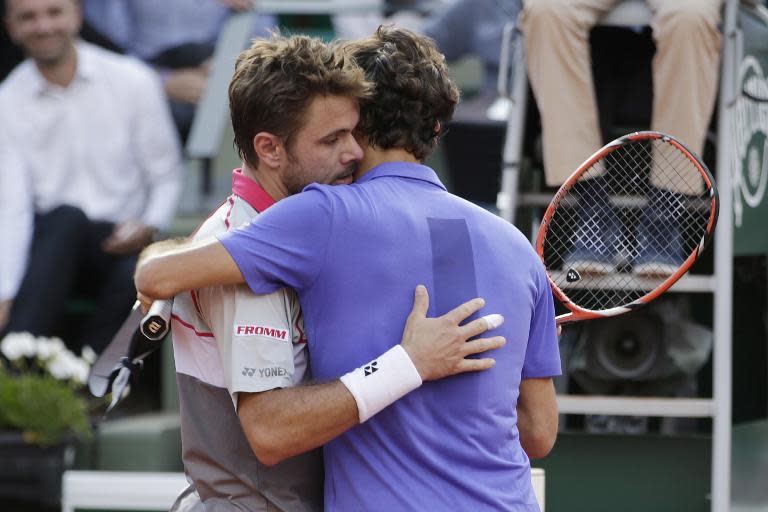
(302,336)
(229,212)
(193,294)
(191,327)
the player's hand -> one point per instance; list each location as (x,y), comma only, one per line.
(128,237)
(144,302)
(5,312)
(438,346)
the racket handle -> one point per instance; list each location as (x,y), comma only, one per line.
(157,321)
(565,319)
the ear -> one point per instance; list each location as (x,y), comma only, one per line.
(269,148)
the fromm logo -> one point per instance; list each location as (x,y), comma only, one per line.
(260,330)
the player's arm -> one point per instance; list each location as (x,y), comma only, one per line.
(168,268)
(537,416)
(281,423)
(537,405)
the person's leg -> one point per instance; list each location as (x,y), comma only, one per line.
(659,241)
(47,285)
(685,74)
(108,279)
(560,73)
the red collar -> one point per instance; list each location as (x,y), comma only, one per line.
(249,190)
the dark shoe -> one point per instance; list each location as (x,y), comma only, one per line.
(594,247)
(659,243)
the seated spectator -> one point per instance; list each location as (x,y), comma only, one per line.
(685,74)
(89,170)
(475,138)
(176,37)
(11,55)
(473,27)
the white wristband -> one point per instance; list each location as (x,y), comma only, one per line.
(382,381)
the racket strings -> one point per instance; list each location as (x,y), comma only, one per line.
(626,224)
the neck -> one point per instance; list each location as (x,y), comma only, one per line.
(62,71)
(373,157)
(267,180)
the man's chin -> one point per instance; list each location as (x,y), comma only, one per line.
(47,57)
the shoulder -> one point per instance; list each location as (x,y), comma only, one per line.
(336,198)
(505,238)
(18,80)
(215,223)
(119,69)
(313,203)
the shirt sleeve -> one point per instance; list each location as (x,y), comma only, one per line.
(286,245)
(542,356)
(16,220)
(255,335)
(157,150)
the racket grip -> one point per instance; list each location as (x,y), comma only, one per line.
(157,321)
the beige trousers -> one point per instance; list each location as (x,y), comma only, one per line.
(685,74)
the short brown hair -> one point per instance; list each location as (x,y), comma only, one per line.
(276,79)
(413,95)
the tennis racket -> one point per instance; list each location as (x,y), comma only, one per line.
(626,225)
(138,337)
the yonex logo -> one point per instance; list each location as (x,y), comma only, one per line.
(371,368)
(274,371)
(261,330)
(572,276)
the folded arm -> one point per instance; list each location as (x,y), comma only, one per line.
(168,268)
(281,423)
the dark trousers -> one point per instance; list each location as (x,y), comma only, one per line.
(65,262)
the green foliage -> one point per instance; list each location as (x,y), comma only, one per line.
(44,409)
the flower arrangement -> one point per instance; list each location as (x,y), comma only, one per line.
(42,389)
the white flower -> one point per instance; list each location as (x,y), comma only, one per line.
(47,348)
(63,365)
(81,369)
(88,355)
(17,345)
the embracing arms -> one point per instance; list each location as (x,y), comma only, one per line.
(281,423)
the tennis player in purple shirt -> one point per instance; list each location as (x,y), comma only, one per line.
(353,253)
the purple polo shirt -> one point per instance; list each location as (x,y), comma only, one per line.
(355,254)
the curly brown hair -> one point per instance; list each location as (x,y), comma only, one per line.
(276,79)
(413,95)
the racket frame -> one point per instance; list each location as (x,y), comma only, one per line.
(577,313)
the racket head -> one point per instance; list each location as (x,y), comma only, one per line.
(656,205)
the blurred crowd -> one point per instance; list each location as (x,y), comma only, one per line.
(98,96)
(98,99)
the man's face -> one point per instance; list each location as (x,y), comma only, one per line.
(324,150)
(44,28)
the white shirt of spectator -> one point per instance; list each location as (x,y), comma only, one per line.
(105,144)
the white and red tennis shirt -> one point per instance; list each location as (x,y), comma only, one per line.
(226,340)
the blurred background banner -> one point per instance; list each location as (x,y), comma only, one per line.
(750,137)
